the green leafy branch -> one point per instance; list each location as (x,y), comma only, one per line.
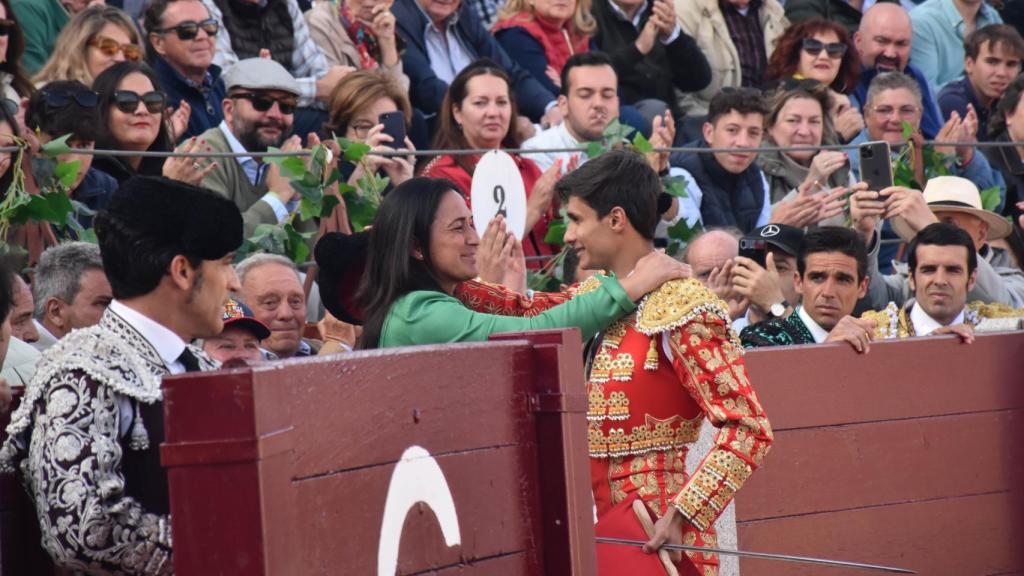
(311,179)
(53,203)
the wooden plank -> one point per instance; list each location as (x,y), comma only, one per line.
(830,384)
(468,405)
(860,465)
(489,525)
(968,536)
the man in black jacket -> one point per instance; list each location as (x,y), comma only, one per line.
(443,37)
(650,52)
(733,191)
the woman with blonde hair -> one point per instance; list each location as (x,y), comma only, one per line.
(540,35)
(354,109)
(91,42)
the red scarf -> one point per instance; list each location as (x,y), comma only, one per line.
(559,43)
(362,36)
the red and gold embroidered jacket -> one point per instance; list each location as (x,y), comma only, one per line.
(654,378)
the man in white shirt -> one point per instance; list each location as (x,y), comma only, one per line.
(86,437)
(588,102)
(943,268)
(830,278)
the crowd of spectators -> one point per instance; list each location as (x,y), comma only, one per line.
(790,237)
(543,76)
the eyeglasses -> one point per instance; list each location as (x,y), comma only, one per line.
(84,98)
(814,47)
(128,101)
(362,129)
(262,102)
(6,26)
(903,111)
(189,30)
(110,47)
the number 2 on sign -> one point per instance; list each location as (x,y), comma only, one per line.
(499,198)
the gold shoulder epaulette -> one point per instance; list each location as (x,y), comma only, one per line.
(675,303)
(982,310)
(886,321)
(588,285)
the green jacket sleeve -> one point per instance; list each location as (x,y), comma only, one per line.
(36,29)
(426,317)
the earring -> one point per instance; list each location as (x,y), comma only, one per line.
(417,255)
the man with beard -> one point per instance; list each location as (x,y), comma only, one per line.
(258,113)
(883,43)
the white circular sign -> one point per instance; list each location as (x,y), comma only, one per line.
(498,189)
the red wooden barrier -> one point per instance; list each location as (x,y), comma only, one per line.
(909,456)
(285,469)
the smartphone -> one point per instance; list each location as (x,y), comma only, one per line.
(394,126)
(876,165)
(755,249)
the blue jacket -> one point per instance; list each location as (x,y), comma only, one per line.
(427,91)
(205,101)
(931,120)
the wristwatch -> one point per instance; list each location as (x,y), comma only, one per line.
(778,310)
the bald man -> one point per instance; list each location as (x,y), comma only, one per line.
(883,43)
(710,250)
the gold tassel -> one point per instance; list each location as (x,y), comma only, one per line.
(651,362)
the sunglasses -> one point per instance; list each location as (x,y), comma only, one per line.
(128,101)
(110,47)
(814,47)
(84,98)
(6,26)
(189,30)
(262,102)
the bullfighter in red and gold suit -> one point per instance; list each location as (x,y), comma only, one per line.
(653,377)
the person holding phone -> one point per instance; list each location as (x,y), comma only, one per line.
(369,106)
(894,98)
(478,113)
(808,187)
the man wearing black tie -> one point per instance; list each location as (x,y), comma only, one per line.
(86,437)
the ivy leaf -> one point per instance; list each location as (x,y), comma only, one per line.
(595,149)
(57,146)
(308,209)
(328,204)
(67,172)
(355,151)
(361,212)
(908,130)
(297,248)
(673,248)
(642,144)
(990,198)
(292,167)
(556,233)
(88,235)
(682,231)
(675,186)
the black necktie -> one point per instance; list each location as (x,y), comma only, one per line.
(189,361)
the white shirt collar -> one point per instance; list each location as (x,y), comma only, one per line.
(166,343)
(925,324)
(819,333)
